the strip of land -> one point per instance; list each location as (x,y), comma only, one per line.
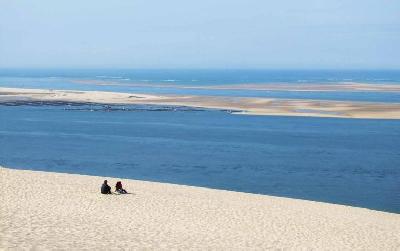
(305,87)
(54,211)
(252,106)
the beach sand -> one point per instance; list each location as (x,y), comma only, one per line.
(252,106)
(42,210)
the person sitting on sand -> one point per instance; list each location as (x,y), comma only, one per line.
(105,188)
(118,188)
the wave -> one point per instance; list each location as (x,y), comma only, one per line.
(104,76)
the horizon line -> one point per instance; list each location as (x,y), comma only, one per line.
(201,68)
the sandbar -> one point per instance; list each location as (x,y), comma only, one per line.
(297,87)
(238,105)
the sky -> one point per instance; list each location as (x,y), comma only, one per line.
(285,34)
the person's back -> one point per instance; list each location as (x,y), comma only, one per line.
(105,189)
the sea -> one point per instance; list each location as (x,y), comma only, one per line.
(353,162)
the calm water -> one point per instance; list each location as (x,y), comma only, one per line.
(213,77)
(346,161)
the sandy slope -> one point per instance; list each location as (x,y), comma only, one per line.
(61,211)
(253,106)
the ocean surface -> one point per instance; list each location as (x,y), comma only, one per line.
(347,161)
(172,81)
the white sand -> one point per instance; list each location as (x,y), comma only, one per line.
(252,106)
(61,211)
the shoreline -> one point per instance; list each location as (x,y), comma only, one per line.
(239,105)
(63,211)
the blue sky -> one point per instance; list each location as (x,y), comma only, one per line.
(200,34)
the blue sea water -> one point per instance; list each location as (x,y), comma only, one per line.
(165,81)
(347,161)
(212,77)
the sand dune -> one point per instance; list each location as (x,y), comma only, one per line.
(253,106)
(43,210)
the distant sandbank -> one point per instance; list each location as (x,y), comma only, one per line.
(251,106)
(54,211)
(298,87)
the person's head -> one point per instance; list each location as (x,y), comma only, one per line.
(105,182)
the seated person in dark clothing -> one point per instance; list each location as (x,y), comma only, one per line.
(118,188)
(105,189)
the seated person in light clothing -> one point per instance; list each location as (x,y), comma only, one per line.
(118,188)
